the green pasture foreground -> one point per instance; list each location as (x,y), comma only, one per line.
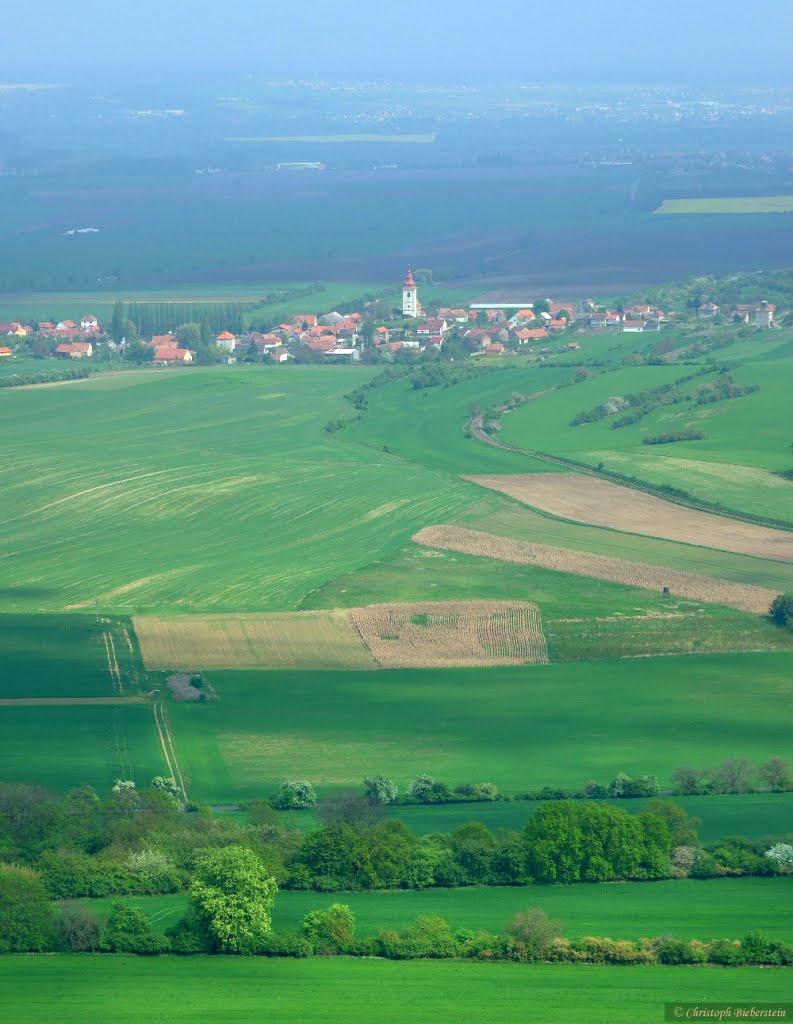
(511,726)
(227,990)
(689,909)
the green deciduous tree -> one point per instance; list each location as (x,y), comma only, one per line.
(26,924)
(233,895)
(128,930)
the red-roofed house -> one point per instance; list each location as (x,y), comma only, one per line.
(167,354)
(75,350)
(5,352)
(325,343)
(632,326)
(535,334)
(164,341)
(304,320)
(46,326)
(9,328)
(496,349)
(66,325)
(89,322)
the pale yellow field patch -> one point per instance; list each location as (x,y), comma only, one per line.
(744,597)
(728,204)
(299,640)
(444,634)
(586,499)
(452,634)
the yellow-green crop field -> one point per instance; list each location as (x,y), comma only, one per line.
(729,204)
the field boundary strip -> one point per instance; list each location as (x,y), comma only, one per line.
(710,590)
(8,702)
(601,503)
(476,428)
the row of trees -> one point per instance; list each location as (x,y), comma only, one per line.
(230,912)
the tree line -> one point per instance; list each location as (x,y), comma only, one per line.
(142,842)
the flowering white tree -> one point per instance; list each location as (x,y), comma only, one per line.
(782,856)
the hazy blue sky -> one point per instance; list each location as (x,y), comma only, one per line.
(657,39)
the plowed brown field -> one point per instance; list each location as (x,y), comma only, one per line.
(586,499)
(650,577)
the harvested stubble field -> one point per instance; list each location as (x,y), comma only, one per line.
(682,584)
(277,640)
(452,634)
(446,634)
(596,502)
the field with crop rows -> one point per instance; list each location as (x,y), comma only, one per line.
(447,634)
(586,499)
(300,640)
(226,990)
(206,490)
(687,585)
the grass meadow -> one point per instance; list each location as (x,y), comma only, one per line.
(690,909)
(222,990)
(510,726)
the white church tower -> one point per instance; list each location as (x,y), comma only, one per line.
(410,297)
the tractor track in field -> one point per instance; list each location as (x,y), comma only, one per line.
(167,744)
(476,428)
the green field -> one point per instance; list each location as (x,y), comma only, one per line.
(222,990)
(79,745)
(732,204)
(719,908)
(746,439)
(66,656)
(610,620)
(510,726)
(207,489)
(757,815)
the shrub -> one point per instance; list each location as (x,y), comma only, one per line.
(781,855)
(533,932)
(726,953)
(676,951)
(781,610)
(422,789)
(128,930)
(283,944)
(295,794)
(77,930)
(380,790)
(331,930)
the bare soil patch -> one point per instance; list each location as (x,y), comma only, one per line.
(586,499)
(636,574)
(452,634)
